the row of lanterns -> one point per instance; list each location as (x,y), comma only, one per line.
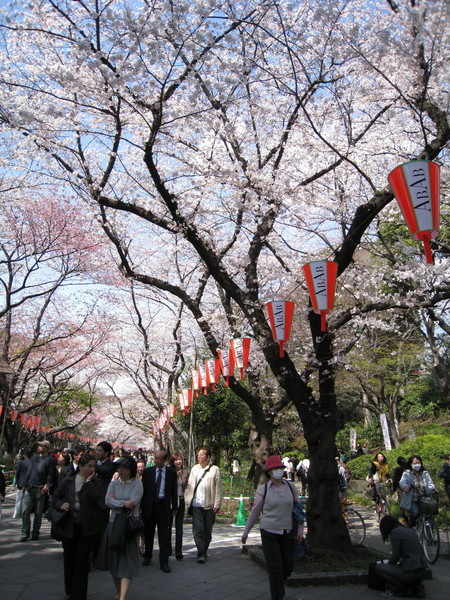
(416,186)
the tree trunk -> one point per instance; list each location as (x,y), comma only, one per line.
(326,526)
(260,442)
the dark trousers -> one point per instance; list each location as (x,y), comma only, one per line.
(179,518)
(32,498)
(202,524)
(159,517)
(76,563)
(99,536)
(279,556)
(396,578)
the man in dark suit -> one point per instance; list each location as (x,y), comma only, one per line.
(104,469)
(159,500)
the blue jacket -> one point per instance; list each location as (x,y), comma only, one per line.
(407,480)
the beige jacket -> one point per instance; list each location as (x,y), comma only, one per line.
(212,484)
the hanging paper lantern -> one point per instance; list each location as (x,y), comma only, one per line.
(24,419)
(195,382)
(280,319)
(187,397)
(416,187)
(14,414)
(182,404)
(240,348)
(226,365)
(321,281)
(202,378)
(212,371)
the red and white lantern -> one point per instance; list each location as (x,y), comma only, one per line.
(212,371)
(202,378)
(14,414)
(321,281)
(280,319)
(195,381)
(187,397)
(226,365)
(240,347)
(416,187)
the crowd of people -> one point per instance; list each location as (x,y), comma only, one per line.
(84,491)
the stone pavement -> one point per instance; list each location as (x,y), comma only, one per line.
(34,571)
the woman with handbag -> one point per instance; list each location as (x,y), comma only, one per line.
(415,483)
(77,495)
(176,462)
(276,500)
(123,561)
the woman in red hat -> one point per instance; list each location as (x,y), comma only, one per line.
(275,500)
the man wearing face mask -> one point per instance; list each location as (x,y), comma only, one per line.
(275,500)
(415,482)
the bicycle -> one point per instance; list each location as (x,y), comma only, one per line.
(355,524)
(381,500)
(427,529)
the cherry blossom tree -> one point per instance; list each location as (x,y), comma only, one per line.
(49,331)
(222,144)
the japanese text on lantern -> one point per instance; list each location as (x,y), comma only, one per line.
(320,284)
(419,186)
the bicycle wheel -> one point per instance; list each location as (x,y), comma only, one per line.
(429,538)
(355,525)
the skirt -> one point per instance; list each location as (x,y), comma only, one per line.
(121,563)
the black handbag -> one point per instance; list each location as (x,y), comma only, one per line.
(428,505)
(118,532)
(135,525)
(55,515)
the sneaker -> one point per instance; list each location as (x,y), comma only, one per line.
(201,559)
(35,537)
(24,538)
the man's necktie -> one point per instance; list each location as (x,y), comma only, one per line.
(158,484)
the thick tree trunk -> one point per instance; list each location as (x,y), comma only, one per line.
(260,442)
(326,526)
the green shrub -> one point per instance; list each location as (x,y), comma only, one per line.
(431,447)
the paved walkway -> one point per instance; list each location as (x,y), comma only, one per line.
(34,571)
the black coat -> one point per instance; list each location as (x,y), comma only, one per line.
(170,490)
(90,512)
(105,472)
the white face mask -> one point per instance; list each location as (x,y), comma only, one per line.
(277,473)
(417,467)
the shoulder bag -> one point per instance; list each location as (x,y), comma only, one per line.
(135,525)
(118,532)
(189,510)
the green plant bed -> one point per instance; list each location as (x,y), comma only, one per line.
(361,499)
